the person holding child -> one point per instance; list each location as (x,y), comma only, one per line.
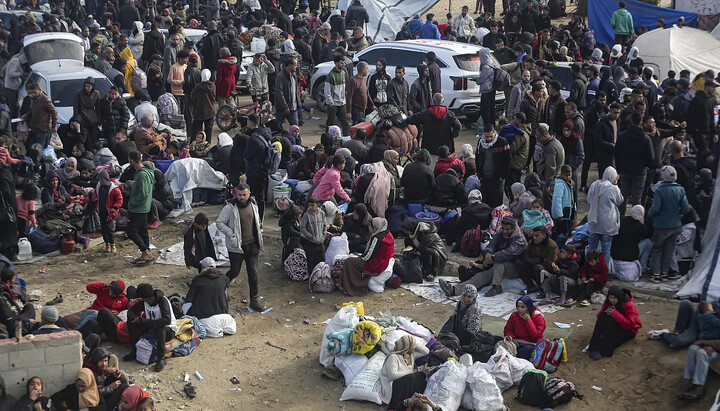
(617,322)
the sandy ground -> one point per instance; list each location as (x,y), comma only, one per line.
(642,375)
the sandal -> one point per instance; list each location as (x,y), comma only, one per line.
(543,302)
(562,303)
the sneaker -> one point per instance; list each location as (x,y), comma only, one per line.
(585,303)
(664,277)
(160,365)
(448,289)
(155,224)
(673,275)
(657,334)
(656,279)
(495,290)
(107,247)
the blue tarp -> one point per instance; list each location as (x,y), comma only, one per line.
(644,14)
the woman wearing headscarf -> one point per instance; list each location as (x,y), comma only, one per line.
(522,200)
(634,60)
(466,321)
(615,55)
(424,238)
(129,69)
(357,227)
(604,198)
(69,172)
(608,85)
(418,178)
(109,379)
(53,189)
(374,260)
(33,400)
(82,394)
(631,246)
(350,162)
(574,150)
(399,363)
(132,398)
(390,161)
(109,199)
(526,326)
(378,190)
(467,156)
(617,322)
(203,105)
(333,218)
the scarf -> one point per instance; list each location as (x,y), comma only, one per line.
(487,144)
(390,155)
(133,395)
(638,213)
(378,192)
(404,347)
(90,398)
(570,143)
(65,175)
(378,224)
(335,132)
(470,316)
(466,152)
(330,210)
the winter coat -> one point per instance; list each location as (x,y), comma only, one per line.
(378,87)
(554,113)
(127,15)
(578,91)
(516,97)
(563,203)
(228,223)
(256,151)
(154,44)
(397,93)
(463,26)
(686,168)
(543,254)
(532,109)
(488,65)
(551,160)
(192,77)
(506,249)
(519,145)
(211,49)
(156,82)
(524,202)
(330,186)
(604,198)
(669,204)
(114,200)
(430,31)
(103,299)
(335,87)
(208,294)
(378,253)
(622,22)
(419,182)
(257,77)
(531,330)
(569,267)
(419,97)
(357,96)
(114,114)
(599,271)
(85,107)
(225,83)
(313,226)
(42,115)
(605,141)
(634,152)
(435,77)
(444,164)
(701,114)
(136,39)
(193,248)
(203,101)
(165,319)
(284,92)
(625,243)
(629,317)
(356,12)
(449,190)
(497,157)
(440,127)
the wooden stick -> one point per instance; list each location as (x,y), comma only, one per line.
(275,346)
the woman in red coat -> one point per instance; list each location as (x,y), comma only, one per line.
(526,326)
(225,82)
(617,323)
(374,260)
(109,200)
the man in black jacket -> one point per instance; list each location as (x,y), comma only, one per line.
(154,44)
(192,77)
(255,153)
(128,14)
(287,98)
(114,112)
(398,90)
(208,293)
(701,117)
(435,73)
(686,168)
(578,89)
(492,162)
(159,318)
(85,112)
(597,110)
(440,126)
(210,51)
(606,133)
(634,155)
(197,243)
(356,12)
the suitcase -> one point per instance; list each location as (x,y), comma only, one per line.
(367,126)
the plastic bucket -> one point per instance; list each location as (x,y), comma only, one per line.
(281,190)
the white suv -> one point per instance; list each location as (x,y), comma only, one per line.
(459,63)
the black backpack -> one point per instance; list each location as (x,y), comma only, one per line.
(559,391)
(501,79)
(531,390)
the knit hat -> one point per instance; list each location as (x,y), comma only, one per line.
(470,290)
(517,188)
(509,220)
(668,174)
(293,128)
(144,290)
(325,26)
(208,262)
(117,287)
(569,248)
(50,314)
(475,196)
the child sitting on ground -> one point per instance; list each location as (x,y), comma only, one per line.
(184,151)
(199,148)
(290,229)
(5,157)
(708,322)
(564,275)
(593,276)
(534,217)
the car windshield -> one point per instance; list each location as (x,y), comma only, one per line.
(63,91)
(561,74)
(53,49)
(468,62)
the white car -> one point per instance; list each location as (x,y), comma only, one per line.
(459,63)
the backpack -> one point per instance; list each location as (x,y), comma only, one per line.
(271,162)
(587,40)
(413,267)
(531,390)
(139,80)
(471,242)
(498,213)
(547,354)
(320,280)
(559,391)
(296,265)
(501,79)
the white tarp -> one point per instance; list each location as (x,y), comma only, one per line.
(175,255)
(388,17)
(707,264)
(677,49)
(716,32)
(190,173)
(699,7)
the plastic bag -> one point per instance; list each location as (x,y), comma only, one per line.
(485,394)
(499,367)
(346,317)
(517,367)
(338,246)
(55,141)
(415,328)
(366,384)
(377,283)
(351,365)
(447,385)
(48,155)
(219,325)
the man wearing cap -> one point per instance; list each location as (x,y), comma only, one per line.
(669,204)
(497,261)
(335,96)
(701,117)
(48,317)
(319,42)
(158,318)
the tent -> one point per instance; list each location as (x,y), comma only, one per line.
(716,31)
(677,49)
(704,282)
(387,18)
(190,173)
(644,14)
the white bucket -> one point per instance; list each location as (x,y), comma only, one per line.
(281,190)
(25,247)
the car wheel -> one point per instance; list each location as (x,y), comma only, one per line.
(319,95)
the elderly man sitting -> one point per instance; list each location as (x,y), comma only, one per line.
(497,262)
(147,140)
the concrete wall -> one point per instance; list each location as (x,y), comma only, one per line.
(54,357)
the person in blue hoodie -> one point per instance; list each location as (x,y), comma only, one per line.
(413,26)
(429,30)
(564,204)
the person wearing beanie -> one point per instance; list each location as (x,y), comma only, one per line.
(522,200)
(158,318)
(476,213)
(107,295)
(48,317)
(526,325)
(669,205)
(496,262)
(207,294)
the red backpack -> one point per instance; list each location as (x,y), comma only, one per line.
(471,242)
(548,354)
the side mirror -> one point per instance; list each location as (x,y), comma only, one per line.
(126,96)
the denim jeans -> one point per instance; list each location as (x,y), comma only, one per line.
(686,327)
(605,240)
(697,364)
(292,118)
(663,248)
(631,187)
(39,137)
(644,247)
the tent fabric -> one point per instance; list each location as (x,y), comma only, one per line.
(190,173)
(644,14)
(387,18)
(677,49)
(705,278)
(716,32)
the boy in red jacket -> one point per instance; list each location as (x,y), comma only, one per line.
(617,322)
(110,296)
(526,326)
(593,276)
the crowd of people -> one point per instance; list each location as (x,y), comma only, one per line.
(654,143)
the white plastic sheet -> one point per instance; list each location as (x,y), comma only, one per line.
(190,173)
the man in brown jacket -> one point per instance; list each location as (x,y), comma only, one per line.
(41,118)
(358,100)
(540,254)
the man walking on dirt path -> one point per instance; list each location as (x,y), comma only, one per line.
(139,206)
